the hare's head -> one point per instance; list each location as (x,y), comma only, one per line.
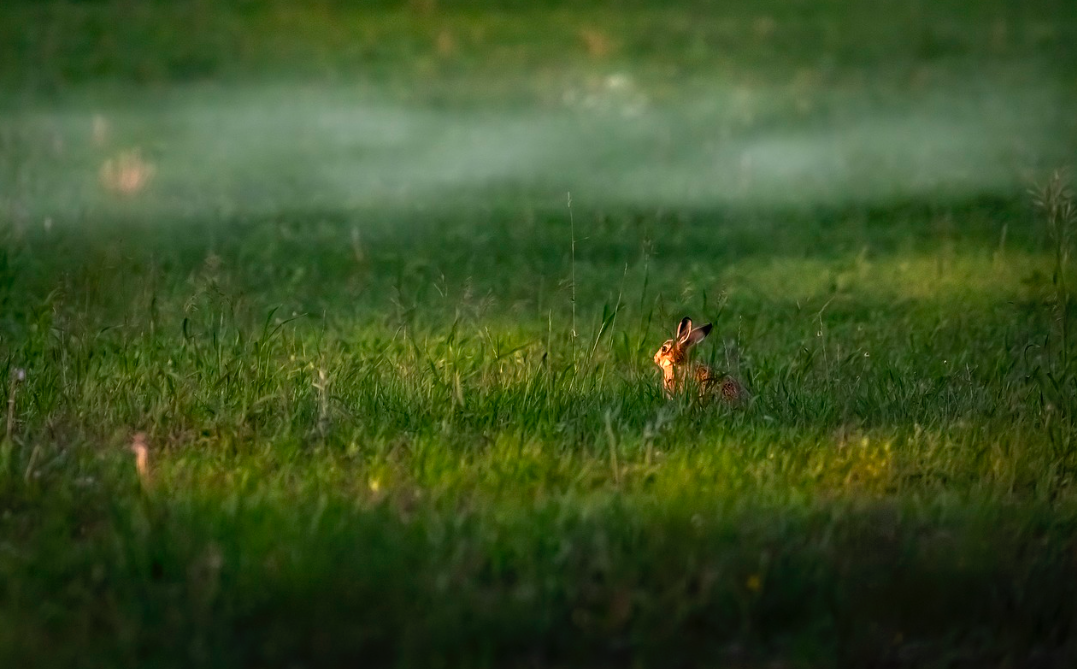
(674,352)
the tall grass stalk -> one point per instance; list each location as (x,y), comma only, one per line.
(572,232)
(17,377)
(1056,204)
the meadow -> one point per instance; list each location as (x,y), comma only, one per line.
(380,285)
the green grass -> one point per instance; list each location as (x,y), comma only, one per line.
(341,308)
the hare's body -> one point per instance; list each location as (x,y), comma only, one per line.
(677,370)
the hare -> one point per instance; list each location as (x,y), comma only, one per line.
(673,359)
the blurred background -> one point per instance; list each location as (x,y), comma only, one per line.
(192,108)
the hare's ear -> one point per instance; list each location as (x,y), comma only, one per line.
(699,334)
(684,329)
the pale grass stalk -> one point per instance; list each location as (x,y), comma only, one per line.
(16,378)
(141,450)
(572,229)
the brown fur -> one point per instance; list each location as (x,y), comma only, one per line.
(673,358)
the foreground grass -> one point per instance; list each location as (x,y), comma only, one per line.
(424,429)
(403,473)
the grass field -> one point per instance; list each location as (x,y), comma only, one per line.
(381,284)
